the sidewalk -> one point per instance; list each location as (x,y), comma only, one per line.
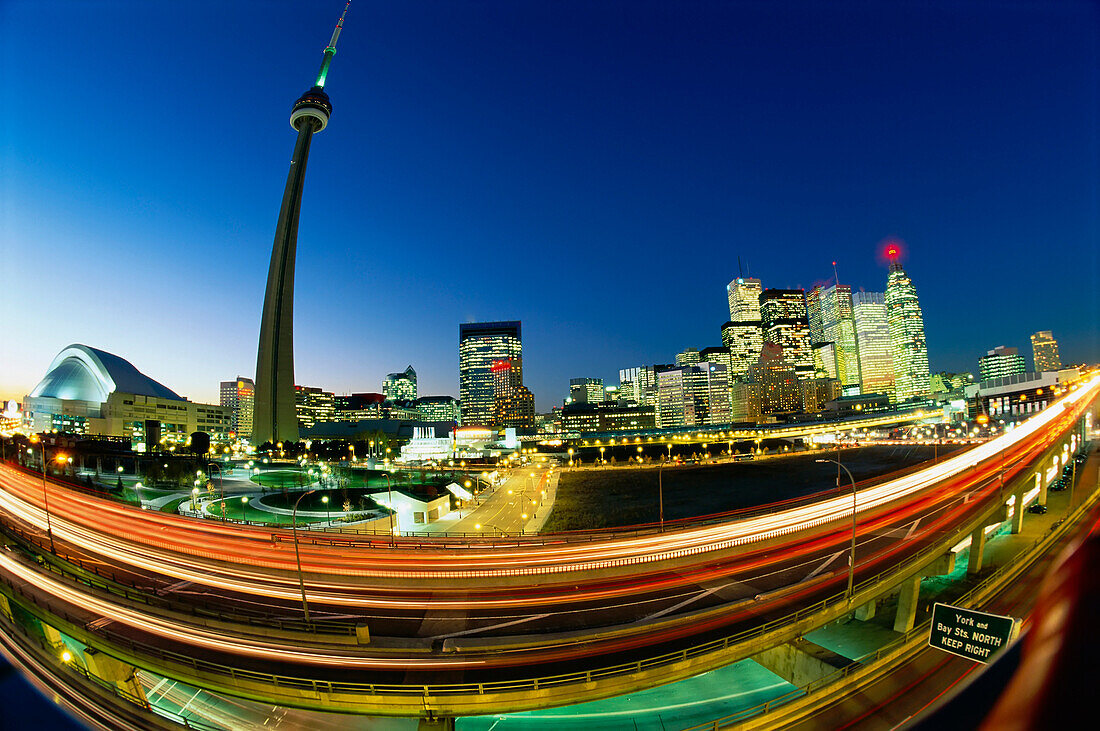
(542,513)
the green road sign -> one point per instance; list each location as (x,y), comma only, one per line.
(966,633)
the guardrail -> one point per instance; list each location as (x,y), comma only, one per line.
(31,644)
(141,650)
(989,583)
(113,584)
(460,689)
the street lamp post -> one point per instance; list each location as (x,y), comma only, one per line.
(45,491)
(852,553)
(297,555)
(389,501)
(661,494)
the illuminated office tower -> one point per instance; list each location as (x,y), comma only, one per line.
(825,360)
(744,341)
(778,387)
(689,356)
(783,314)
(839,327)
(1044,350)
(400,386)
(586,390)
(239,395)
(513,404)
(630,387)
(480,344)
(873,342)
(744,300)
(693,395)
(1001,362)
(813,315)
(275,418)
(908,350)
(743,334)
(313,406)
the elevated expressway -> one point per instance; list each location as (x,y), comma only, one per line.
(450,627)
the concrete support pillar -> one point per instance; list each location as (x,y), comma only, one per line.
(1043,486)
(865,612)
(907,604)
(122,674)
(1018,514)
(436,724)
(53,636)
(5,608)
(801,662)
(977,550)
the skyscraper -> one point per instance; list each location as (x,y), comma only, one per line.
(513,403)
(693,395)
(630,386)
(313,406)
(908,350)
(275,419)
(743,334)
(586,390)
(813,315)
(777,382)
(688,356)
(783,314)
(239,395)
(838,326)
(873,342)
(1001,362)
(744,340)
(1044,351)
(479,345)
(744,300)
(400,386)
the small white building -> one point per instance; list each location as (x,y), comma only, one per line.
(425,446)
(411,510)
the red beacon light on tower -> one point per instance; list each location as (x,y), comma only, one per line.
(892,250)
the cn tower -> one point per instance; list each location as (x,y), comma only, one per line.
(274,416)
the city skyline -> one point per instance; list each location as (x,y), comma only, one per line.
(204,244)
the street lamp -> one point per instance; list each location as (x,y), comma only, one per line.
(328,510)
(389,504)
(852,553)
(570,456)
(661,494)
(602,460)
(297,555)
(45,492)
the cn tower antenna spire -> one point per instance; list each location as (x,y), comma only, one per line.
(330,50)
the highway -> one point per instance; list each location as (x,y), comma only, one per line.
(464,610)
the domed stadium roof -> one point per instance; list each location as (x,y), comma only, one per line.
(80,373)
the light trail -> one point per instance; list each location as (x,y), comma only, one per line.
(247,560)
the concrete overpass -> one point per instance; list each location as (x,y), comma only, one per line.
(106,588)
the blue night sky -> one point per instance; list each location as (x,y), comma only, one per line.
(592,169)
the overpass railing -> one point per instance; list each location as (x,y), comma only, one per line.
(990,583)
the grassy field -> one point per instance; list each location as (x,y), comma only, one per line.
(172,506)
(628,496)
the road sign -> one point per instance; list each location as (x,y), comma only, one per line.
(966,633)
